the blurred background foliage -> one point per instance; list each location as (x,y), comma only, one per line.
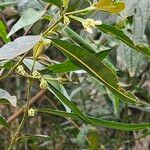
(87,93)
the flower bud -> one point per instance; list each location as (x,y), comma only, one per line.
(89,24)
(66,20)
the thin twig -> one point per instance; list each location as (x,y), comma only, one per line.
(37,97)
(22,58)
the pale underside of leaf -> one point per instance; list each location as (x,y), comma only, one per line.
(19,46)
(5,95)
(28,18)
(55,2)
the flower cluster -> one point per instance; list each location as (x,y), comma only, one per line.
(20,70)
(89,24)
(43,84)
(31,112)
(36,74)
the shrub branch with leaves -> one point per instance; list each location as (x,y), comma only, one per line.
(80,54)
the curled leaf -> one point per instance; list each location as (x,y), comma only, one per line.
(38,48)
(110,6)
(6,96)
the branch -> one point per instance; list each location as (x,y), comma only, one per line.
(37,97)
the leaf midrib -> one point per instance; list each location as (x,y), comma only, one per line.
(133,100)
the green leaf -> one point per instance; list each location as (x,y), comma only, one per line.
(6,64)
(29,17)
(78,39)
(3,32)
(67,102)
(115,103)
(98,121)
(55,2)
(119,34)
(3,122)
(4,102)
(68,66)
(87,61)
(19,46)
(102,54)
(93,138)
(61,89)
(4,95)
(65,3)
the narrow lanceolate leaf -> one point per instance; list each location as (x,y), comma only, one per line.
(4,95)
(3,33)
(19,46)
(58,3)
(3,122)
(78,39)
(68,66)
(110,6)
(68,103)
(65,66)
(87,61)
(117,33)
(98,121)
(29,17)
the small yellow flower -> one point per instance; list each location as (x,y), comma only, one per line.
(36,74)
(89,24)
(31,112)
(20,70)
(43,84)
